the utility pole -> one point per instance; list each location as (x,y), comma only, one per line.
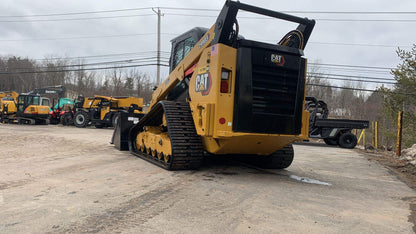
(159,14)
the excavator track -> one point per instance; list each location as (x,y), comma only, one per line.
(187,148)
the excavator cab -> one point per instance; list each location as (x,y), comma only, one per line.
(33,109)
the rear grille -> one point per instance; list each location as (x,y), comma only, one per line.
(268,96)
(274,90)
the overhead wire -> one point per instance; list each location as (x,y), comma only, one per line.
(132,60)
(73,19)
(75,13)
(103,55)
(354,80)
(207,9)
(82,69)
(360,89)
(198,15)
(350,76)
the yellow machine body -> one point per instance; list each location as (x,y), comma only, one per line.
(211,80)
(208,109)
(102,111)
(109,104)
(213,113)
(8,102)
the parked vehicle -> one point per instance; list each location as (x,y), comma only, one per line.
(332,131)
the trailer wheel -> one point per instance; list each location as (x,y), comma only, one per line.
(347,140)
(331,141)
(81,119)
(278,160)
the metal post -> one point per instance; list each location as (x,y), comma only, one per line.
(399,134)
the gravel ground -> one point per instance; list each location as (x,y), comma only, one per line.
(64,179)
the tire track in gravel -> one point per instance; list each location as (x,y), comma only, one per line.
(134,212)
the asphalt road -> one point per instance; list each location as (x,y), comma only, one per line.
(64,179)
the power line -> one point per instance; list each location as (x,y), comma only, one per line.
(356,12)
(347,88)
(84,37)
(317,19)
(72,19)
(349,76)
(359,89)
(148,59)
(359,44)
(82,69)
(75,13)
(176,34)
(353,66)
(212,10)
(199,15)
(354,80)
(370,20)
(101,55)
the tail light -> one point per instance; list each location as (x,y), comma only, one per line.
(225,81)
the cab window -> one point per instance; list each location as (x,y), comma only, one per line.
(45,102)
(34,101)
(182,49)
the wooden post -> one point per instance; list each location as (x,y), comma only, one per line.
(399,134)
(373,142)
(364,138)
(376,134)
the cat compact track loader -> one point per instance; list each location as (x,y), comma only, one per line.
(228,95)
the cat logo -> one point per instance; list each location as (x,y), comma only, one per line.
(203,83)
(278,59)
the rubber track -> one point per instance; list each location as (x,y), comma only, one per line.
(187,148)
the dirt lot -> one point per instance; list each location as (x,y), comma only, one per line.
(65,179)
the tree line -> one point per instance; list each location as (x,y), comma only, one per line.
(382,105)
(23,74)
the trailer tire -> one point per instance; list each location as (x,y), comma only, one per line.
(347,140)
(81,119)
(331,141)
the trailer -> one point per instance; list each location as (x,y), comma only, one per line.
(332,131)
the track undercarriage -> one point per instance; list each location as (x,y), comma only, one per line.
(166,136)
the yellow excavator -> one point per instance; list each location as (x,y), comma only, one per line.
(25,108)
(228,95)
(7,104)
